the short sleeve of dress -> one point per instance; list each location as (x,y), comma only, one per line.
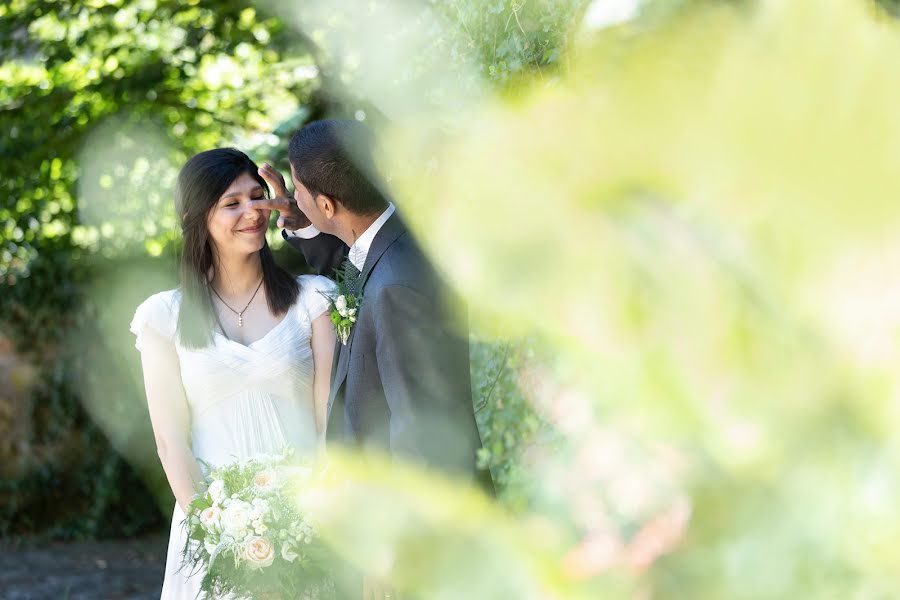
(313,292)
(159,312)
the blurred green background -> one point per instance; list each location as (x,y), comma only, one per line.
(674,222)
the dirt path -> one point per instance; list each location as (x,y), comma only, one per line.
(108,570)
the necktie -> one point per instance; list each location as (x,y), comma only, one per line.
(348,275)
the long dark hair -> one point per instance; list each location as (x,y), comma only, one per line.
(201,182)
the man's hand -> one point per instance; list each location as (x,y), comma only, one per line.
(373,589)
(289,215)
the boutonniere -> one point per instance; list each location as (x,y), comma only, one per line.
(346,301)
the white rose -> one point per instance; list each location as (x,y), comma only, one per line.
(258,552)
(340,305)
(288,554)
(209,517)
(217,490)
(235,518)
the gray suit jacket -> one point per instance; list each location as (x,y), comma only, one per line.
(401,384)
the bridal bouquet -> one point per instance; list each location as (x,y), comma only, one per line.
(249,537)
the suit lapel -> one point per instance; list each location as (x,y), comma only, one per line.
(392,229)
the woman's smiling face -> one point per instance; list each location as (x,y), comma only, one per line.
(235,227)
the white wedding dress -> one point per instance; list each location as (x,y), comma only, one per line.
(243,400)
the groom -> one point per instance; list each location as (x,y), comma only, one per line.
(401,383)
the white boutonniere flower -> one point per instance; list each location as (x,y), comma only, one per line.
(345,303)
(340,305)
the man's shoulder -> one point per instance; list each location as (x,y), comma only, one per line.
(403,263)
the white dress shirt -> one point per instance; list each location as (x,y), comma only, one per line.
(360,248)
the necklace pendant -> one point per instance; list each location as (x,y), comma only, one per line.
(240,321)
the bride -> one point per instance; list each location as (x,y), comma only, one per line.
(237,360)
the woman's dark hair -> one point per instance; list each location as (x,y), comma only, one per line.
(201,182)
(334,158)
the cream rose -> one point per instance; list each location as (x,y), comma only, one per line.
(258,552)
(236,517)
(265,481)
(210,517)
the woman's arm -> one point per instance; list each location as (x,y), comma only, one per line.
(170,416)
(323,339)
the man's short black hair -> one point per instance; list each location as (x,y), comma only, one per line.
(334,158)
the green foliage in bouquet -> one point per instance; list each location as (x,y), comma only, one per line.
(248,537)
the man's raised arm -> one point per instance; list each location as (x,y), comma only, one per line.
(323,252)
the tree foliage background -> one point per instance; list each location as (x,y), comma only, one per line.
(101,103)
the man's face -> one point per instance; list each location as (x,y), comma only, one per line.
(307,204)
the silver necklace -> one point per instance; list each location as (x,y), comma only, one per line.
(241,313)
